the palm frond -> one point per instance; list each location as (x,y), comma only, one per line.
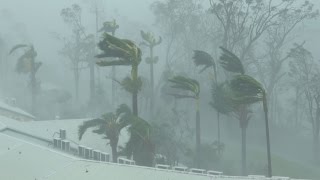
(18,46)
(202,58)
(247,89)
(130,85)
(222,98)
(186,84)
(230,62)
(89,124)
(114,63)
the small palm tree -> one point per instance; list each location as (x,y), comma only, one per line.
(128,54)
(189,88)
(150,42)
(27,64)
(109,125)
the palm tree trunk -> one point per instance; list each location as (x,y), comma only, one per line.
(218,119)
(152,82)
(316,133)
(113,86)
(113,93)
(92,81)
(265,109)
(76,81)
(244,151)
(114,145)
(134,75)
(33,88)
(198,132)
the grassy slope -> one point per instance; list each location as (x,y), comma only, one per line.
(257,164)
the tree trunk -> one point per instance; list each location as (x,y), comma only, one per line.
(92,82)
(265,108)
(114,145)
(76,82)
(243,151)
(134,75)
(316,133)
(113,76)
(33,88)
(152,83)
(316,148)
(198,134)
(113,86)
(219,142)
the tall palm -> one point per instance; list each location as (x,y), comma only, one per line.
(27,64)
(245,91)
(150,41)
(111,27)
(189,88)
(204,59)
(109,125)
(248,91)
(127,54)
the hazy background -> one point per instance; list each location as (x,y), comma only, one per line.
(35,21)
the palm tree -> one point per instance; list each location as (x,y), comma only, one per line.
(109,125)
(204,59)
(190,88)
(245,91)
(128,54)
(111,27)
(140,146)
(27,64)
(150,42)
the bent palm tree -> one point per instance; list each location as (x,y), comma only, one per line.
(128,54)
(27,64)
(109,125)
(150,41)
(246,90)
(190,88)
(204,59)
(111,27)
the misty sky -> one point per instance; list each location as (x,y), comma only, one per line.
(33,21)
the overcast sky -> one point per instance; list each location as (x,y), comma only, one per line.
(33,21)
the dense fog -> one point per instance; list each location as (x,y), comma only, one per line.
(226,85)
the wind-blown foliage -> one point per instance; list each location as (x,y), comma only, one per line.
(27,64)
(110,126)
(186,85)
(246,90)
(109,26)
(202,58)
(149,39)
(190,89)
(124,49)
(222,98)
(231,62)
(128,54)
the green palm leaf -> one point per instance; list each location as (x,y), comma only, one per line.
(186,84)
(231,62)
(113,63)
(18,46)
(202,58)
(100,123)
(222,98)
(247,90)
